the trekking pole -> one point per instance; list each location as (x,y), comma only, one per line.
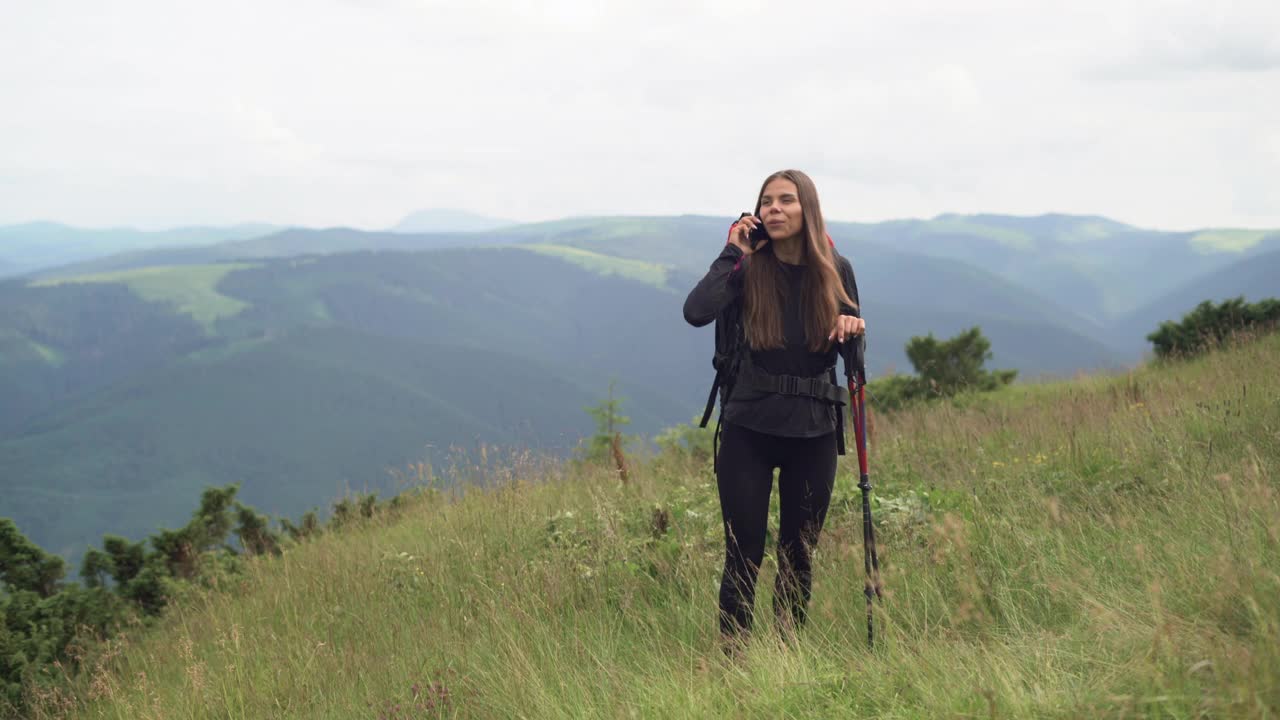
(857,373)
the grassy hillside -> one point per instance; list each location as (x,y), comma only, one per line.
(1228,240)
(190,289)
(1102,548)
(652,273)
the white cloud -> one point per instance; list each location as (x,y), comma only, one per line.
(359,111)
(1188,36)
(955,84)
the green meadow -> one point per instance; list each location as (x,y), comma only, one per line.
(1106,547)
(645,272)
(191,289)
(1227,240)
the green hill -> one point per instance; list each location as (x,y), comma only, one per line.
(905,293)
(378,358)
(1102,548)
(298,419)
(62,341)
(910,295)
(1093,267)
(519,301)
(1256,278)
(1083,274)
(1097,267)
(190,289)
(278,244)
(1076,275)
(648,272)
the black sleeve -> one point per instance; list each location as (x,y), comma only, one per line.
(854,354)
(720,286)
(850,287)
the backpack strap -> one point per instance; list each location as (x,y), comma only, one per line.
(729,345)
(728,342)
(818,386)
(711,399)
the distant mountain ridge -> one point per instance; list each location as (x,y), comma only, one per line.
(30,247)
(1098,267)
(1083,273)
(435,220)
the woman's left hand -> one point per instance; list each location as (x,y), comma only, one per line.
(847,326)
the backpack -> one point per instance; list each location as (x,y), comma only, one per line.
(733,365)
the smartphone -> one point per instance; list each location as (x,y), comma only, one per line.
(757,235)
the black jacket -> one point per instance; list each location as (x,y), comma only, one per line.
(718,296)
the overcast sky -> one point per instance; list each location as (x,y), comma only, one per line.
(155,113)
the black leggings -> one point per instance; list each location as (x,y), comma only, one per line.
(807,471)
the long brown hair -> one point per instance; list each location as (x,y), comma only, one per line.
(822,289)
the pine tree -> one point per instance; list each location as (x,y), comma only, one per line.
(609,420)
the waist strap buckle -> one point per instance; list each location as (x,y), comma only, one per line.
(788,384)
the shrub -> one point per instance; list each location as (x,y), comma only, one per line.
(944,368)
(1208,325)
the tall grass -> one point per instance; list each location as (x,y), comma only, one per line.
(1108,547)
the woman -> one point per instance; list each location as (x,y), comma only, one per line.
(797,301)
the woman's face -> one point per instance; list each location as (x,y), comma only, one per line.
(780,209)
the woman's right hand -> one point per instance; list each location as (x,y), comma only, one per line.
(740,232)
